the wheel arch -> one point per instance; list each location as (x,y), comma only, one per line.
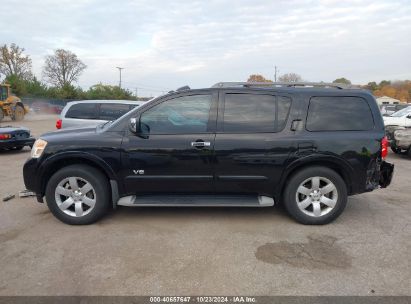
(59,161)
(339,166)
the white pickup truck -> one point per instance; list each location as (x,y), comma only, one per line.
(399,120)
(402,140)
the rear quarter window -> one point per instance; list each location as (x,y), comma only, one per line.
(339,113)
(83,111)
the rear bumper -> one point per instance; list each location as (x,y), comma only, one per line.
(386,174)
(6,144)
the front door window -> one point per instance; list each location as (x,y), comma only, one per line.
(181,115)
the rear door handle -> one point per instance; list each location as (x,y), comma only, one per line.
(200,144)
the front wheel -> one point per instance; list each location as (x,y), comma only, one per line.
(78,195)
(315,196)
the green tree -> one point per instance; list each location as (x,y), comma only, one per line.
(384,83)
(17,84)
(342,80)
(101,91)
(372,86)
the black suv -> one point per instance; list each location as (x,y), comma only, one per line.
(307,146)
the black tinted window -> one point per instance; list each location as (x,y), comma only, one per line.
(83,111)
(112,111)
(182,115)
(255,112)
(339,114)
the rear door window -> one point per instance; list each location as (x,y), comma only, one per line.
(83,111)
(253,113)
(339,113)
(112,111)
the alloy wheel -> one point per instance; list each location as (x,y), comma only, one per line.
(316,196)
(75,196)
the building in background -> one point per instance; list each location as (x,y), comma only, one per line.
(385,100)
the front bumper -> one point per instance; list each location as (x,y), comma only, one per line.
(12,143)
(386,174)
(31,178)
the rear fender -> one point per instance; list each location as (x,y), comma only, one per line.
(341,166)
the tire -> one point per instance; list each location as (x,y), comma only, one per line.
(396,150)
(315,208)
(75,207)
(18,113)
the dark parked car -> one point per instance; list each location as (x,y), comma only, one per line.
(15,138)
(235,144)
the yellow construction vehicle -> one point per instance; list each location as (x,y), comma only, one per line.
(11,105)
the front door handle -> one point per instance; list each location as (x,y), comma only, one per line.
(200,144)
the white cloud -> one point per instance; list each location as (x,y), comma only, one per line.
(169,44)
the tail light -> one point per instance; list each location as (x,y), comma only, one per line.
(384,147)
(58,123)
(5,136)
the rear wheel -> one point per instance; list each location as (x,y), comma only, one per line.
(78,195)
(315,196)
(18,113)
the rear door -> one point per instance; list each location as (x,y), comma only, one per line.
(176,153)
(252,143)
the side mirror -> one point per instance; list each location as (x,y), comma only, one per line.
(139,128)
(133,125)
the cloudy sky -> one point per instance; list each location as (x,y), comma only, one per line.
(166,44)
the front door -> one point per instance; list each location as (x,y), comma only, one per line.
(175,153)
(252,144)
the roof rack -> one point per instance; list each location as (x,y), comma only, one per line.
(340,86)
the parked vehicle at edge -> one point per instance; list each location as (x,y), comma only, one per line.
(91,113)
(234,144)
(387,110)
(15,138)
(398,120)
(402,141)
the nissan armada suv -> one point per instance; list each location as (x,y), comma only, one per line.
(306,146)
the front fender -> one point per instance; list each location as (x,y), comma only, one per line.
(56,161)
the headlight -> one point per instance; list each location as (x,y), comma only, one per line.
(38,148)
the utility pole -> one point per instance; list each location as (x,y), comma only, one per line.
(119,68)
(136,94)
(276,70)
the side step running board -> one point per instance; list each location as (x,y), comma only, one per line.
(196,201)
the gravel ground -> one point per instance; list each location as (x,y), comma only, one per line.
(204,251)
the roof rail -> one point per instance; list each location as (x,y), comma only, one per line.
(340,86)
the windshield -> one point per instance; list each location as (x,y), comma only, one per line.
(402,112)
